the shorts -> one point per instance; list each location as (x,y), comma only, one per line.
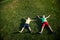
(26,25)
(45,24)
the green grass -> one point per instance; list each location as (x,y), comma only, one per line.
(12,11)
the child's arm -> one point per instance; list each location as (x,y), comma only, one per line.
(33,20)
(48,16)
(38,16)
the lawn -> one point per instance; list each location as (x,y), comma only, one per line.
(12,12)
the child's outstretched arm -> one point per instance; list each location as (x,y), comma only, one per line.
(33,20)
(38,16)
(48,16)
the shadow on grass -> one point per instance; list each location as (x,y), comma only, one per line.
(49,31)
(39,23)
(22,23)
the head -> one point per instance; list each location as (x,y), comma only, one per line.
(28,17)
(43,16)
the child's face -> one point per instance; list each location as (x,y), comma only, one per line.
(28,17)
(43,16)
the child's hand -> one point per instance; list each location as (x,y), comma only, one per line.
(49,15)
(38,16)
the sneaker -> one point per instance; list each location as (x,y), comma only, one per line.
(40,33)
(54,32)
(20,32)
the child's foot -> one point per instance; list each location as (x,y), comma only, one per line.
(20,32)
(40,32)
(54,32)
(31,31)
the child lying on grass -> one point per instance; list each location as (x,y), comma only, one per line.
(26,25)
(45,23)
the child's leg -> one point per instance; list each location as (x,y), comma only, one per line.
(21,30)
(42,28)
(29,29)
(50,28)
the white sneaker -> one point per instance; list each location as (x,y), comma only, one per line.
(40,32)
(20,32)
